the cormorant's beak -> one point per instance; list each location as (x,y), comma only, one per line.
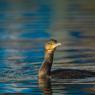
(58,44)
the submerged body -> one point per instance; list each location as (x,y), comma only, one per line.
(45,70)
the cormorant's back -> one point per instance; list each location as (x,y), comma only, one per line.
(71,73)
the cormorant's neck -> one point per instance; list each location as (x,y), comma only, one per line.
(48,58)
(47,64)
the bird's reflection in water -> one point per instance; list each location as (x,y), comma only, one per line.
(50,87)
(45,86)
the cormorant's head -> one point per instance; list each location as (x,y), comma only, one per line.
(51,45)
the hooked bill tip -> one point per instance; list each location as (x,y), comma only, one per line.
(58,44)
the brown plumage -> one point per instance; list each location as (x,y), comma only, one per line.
(45,70)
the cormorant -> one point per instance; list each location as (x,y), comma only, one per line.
(45,70)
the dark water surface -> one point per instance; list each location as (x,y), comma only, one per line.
(26,25)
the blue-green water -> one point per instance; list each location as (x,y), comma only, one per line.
(26,25)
